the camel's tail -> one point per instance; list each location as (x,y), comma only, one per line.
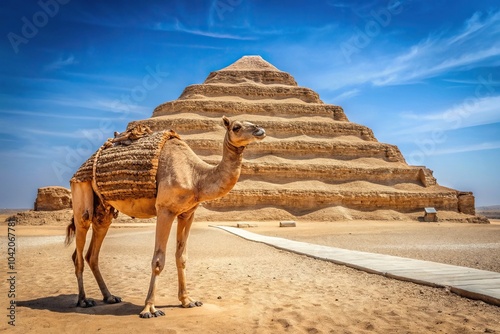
(70,232)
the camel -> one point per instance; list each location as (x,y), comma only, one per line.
(183,182)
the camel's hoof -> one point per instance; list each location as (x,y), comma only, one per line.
(159,313)
(86,303)
(112,300)
(147,315)
(193,304)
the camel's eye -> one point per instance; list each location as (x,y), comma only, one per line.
(236,128)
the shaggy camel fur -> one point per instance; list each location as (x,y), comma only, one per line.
(183,181)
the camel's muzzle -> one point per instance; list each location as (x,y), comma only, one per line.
(259,133)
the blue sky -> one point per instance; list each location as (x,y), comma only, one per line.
(424,75)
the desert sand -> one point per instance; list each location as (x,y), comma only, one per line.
(248,287)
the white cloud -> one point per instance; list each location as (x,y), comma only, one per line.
(470,112)
(468,148)
(346,95)
(22,154)
(472,25)
(178,27)
(475,44)
(51,115)
(339,4)
(126,107)
(477,41)
(474,82)
(58,134)
(60,63)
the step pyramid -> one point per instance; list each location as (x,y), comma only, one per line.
(314,162)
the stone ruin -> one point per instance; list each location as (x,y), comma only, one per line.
(314,163)
(52,199)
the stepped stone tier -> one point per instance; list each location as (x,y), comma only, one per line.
(314,162)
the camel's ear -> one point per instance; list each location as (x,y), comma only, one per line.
(227,122)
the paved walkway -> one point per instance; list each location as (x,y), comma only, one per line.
(471,283)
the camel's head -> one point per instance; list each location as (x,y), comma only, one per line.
(240,134)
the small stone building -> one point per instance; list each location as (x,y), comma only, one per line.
(430,215)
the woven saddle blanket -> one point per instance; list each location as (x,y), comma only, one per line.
(125,168)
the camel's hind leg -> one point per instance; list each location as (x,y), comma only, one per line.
(100,226)
(184,222)
(83,210)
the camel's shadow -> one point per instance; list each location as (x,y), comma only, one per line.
(67,304)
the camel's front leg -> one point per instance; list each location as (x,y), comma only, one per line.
(164,222)
(184,222)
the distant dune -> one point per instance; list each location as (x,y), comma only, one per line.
(9,212)
(491,211)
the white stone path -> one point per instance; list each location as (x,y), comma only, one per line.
(468,282)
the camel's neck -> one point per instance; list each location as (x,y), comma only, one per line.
(222,178)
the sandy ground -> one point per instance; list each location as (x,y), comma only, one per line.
(249,287)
